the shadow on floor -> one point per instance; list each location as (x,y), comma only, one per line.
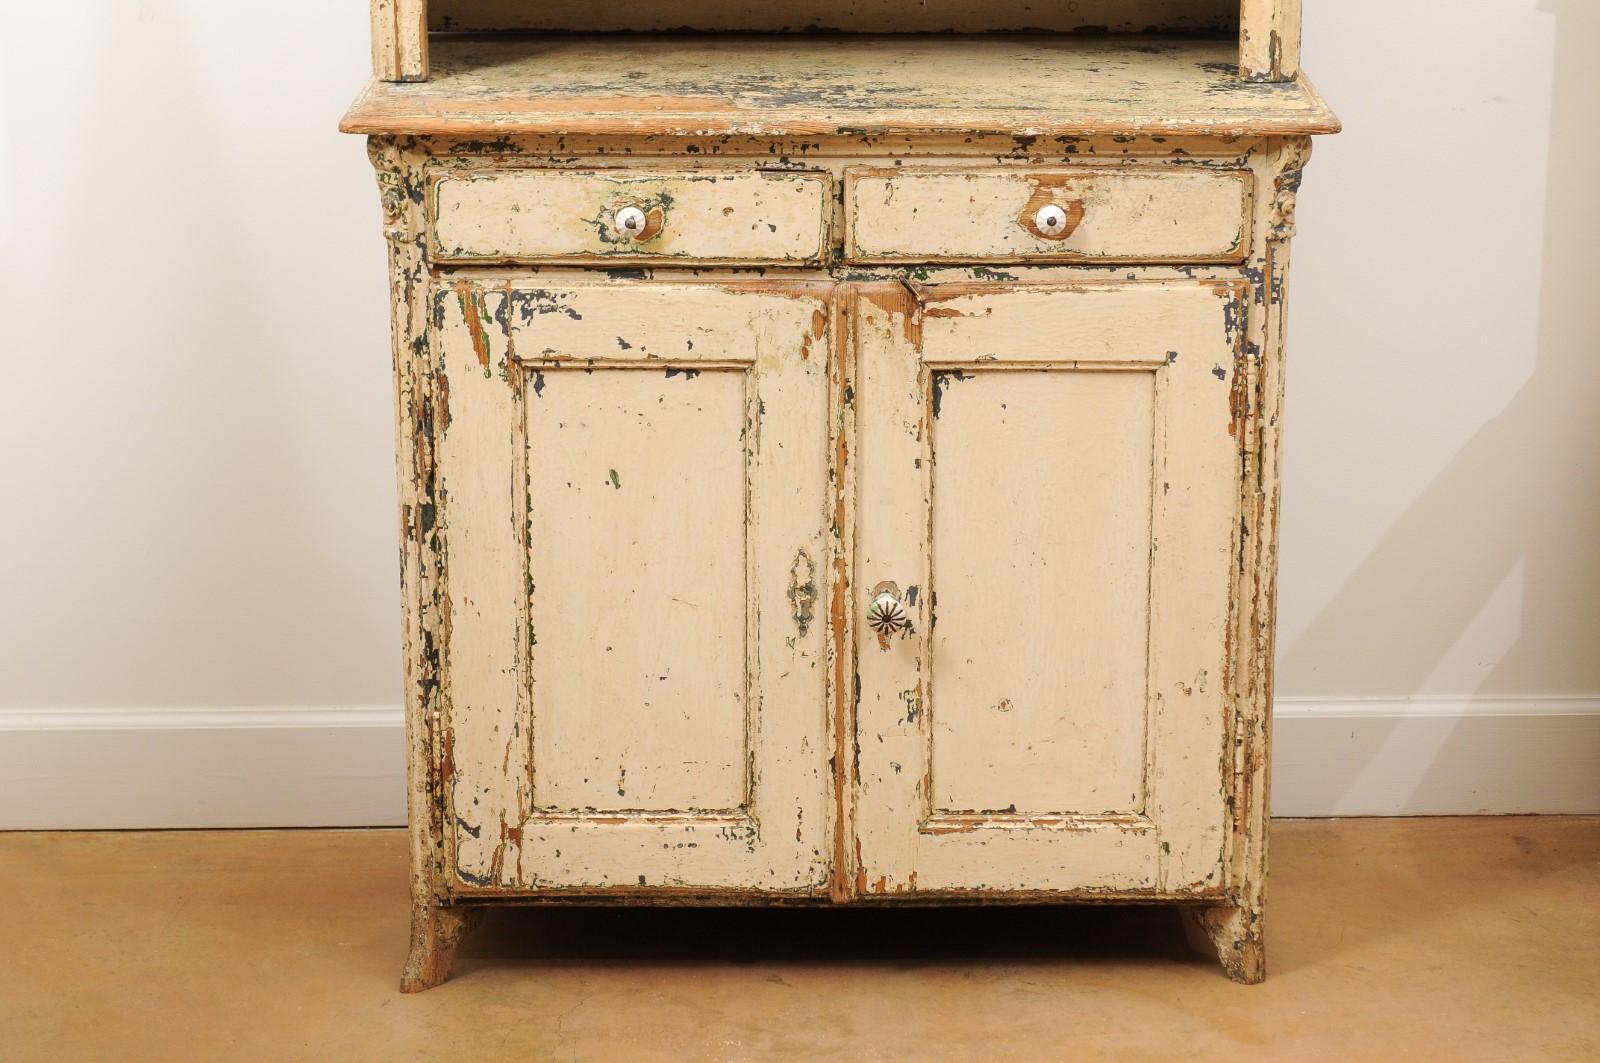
(803,936)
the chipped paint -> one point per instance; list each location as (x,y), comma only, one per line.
(803,591)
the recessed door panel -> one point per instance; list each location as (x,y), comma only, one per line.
(1041,563)
(637,603)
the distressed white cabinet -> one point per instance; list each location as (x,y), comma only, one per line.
(838,470)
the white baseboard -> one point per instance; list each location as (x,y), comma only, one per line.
(1436,756)
(317,767)
(67,769)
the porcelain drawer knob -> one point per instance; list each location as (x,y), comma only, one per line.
(631,222)
(1051,220)
(887,615)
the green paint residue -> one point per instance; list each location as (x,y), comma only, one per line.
(615,480)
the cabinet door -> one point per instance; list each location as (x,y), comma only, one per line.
(631,481)
(1048,483)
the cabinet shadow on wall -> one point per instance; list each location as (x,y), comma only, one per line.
(1532,533)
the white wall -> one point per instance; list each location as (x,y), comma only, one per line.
(196,434)
(198,428)
(1441,522)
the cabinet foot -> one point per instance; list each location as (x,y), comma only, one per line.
(435,934)
(1235,933)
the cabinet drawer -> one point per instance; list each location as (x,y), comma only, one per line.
(583,217)
(1016,215)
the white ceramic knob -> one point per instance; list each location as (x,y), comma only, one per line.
(886,615)
(1050,220)
(631,221)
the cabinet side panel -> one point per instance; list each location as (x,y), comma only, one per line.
(1041,531)
(636,565)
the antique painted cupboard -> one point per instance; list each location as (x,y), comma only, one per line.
(838,467)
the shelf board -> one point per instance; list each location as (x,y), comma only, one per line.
(844,85)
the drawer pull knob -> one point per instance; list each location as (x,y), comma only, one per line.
(632,222)
(1051,220)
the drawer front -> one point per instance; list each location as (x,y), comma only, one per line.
(1045,215)
(584,217)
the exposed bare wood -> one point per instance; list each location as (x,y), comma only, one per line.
(1235,932)
(773,86)
(436,932)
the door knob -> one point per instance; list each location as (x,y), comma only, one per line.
(887,615)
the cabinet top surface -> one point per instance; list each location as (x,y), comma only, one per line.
(837,86)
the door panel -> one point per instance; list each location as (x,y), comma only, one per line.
(629,477)
(1051,474)
(637,605)
(1041,563)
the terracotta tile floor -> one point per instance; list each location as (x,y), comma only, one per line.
(1415,940)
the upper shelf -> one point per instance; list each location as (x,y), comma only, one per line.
(837,85)
(1267,32)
